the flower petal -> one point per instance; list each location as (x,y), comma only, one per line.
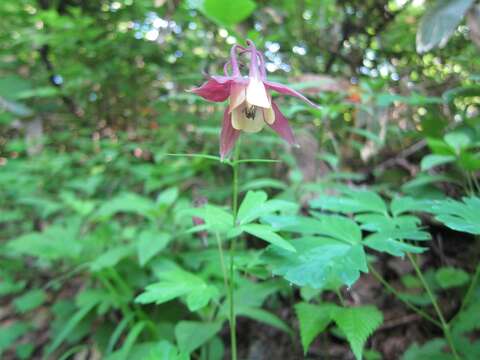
(282,89)
(281,126)
(257,94)
(228,136)
(237,95)
(268,116)
(241,122)
(216,89)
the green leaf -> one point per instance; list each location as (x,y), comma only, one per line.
(457,215)
(263,316)
(439,23)
(176,283)
(30,300)
(449,277)
(352,201)
(358,323)
(432,160)
(190,335)
(10,333)
(313,319)
(433,349)
(252,200)
(69,326)
(130,340)
(111,257)
(458,140)
(225,13)
(125,203)
(150,243)
(265,232)
(318,262)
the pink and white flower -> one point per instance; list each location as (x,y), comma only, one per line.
(251,106)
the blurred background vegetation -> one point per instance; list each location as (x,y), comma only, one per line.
(92,101)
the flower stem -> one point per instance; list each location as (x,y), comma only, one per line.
(445,326)
(232,317)
(401,298)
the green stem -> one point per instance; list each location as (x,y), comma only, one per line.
(233,320)
(445,326)
(471,289)
(340,296)
(401,298)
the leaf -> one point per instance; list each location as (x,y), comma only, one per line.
(433,349)
(313,319)
(432,160)
(69,326)
(111,257)
(226,13)
(125,203)
(265,232)
(352,201)
(175,283)
(252,200)
(149,244)
(439,23)
(449,277)
(458,141)
(358,323)
(30,300)
(318,262)
(130,340)
(10,333)
(263,316)
(457,215)
(190,335)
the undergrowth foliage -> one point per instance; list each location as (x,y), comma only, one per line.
(124,236)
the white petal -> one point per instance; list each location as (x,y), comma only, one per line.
(268,116)
(257,94)
(241,122)
(237,95)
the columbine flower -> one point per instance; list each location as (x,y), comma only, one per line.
(251,105)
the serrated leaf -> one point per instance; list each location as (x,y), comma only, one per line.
(439,23)
(190,335)
(318,262)
(266,233)
(449,277)
(357,323)
(313,319)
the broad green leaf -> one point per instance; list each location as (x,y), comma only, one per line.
(266,233)
(352,201)
(131,339)
(150,243)
(162,350)
(252,200)
(313,319)
(318,262)
(225,13)
(457,215)
(190,335)
(30,300)
(383,242)
(433,160)
(357,323)
(439,23)
(400,205)
(458,140)
(449,277)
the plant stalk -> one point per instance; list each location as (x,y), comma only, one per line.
(445,326)
(390,288)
